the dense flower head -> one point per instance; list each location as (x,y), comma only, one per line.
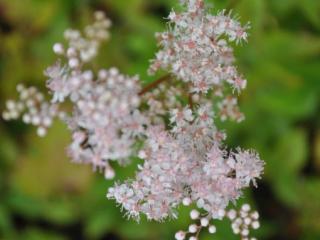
(185,159)
(187,162)
(106,120)
(196,48)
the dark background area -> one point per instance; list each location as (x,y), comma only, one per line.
(44,196)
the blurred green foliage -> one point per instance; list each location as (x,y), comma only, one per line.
(44,196)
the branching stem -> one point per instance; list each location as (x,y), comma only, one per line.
(154,84)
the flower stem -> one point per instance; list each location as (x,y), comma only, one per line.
(190,101)
(154,84)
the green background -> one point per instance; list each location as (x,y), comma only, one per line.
(44,196)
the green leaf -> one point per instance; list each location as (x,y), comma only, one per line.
(39,234)
(99,223)
(311,9)
(284,165)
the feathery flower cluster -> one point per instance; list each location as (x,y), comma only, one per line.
(196,48)
(187,162)
(106,122)
(185,159)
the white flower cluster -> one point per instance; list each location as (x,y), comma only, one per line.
(84,48)
(80,50)
(187,162)
(106,121)
(195,228)
(196,48)
(241,222)
(33,109)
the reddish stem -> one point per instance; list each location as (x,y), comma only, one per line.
(154,84)
(190,100)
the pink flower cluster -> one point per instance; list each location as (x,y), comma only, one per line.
(196,48)
(105,120)
(185,159)
(187,162)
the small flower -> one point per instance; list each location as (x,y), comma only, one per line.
(180,235)
(212,229)
(248,166)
